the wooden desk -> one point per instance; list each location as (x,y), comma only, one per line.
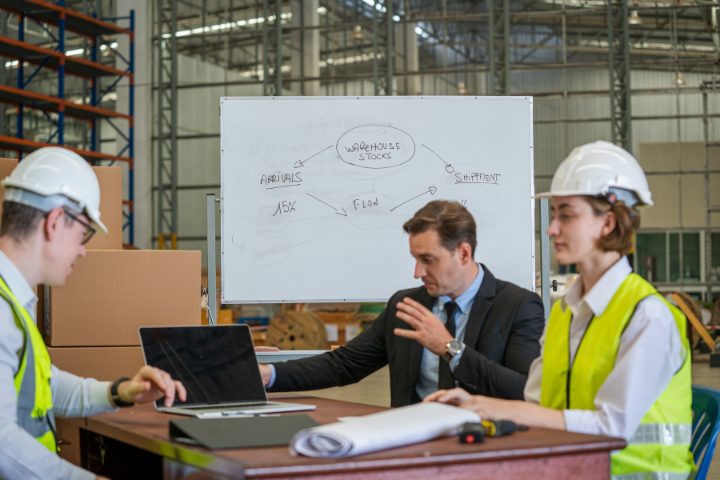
(534,454)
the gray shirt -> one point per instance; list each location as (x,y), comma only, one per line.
(21,456)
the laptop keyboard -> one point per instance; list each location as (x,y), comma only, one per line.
(224,406)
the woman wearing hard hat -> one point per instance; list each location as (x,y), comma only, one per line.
(615,358)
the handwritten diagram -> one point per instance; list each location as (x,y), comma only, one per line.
(315,190)
(364,149)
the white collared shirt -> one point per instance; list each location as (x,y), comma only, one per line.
(21,456)
(650,353)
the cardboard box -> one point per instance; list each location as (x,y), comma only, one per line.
(101,363)
(113,292)
(7,165)
(110,179)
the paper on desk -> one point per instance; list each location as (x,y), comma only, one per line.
(380,431)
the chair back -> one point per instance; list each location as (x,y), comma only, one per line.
(706,425)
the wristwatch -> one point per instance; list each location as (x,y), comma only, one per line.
(452,348)
(114,393)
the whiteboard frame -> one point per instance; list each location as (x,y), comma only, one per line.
(531,159)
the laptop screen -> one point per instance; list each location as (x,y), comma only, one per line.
(216,364)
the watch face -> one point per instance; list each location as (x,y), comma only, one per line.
(455,346)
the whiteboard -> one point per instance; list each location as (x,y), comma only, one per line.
(314,191)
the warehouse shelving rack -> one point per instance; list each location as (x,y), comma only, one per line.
(44,13)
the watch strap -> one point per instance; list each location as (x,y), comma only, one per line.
(114,393)
(449,354)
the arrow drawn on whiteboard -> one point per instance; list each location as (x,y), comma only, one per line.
(430,190)
(301,163)
(448,168)
(344,213)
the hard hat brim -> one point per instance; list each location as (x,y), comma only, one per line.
(562,194)
(643,203)
(100,228)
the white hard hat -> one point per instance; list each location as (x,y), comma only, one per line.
(601,169)
(52,177)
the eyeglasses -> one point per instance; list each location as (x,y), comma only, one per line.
(90,230)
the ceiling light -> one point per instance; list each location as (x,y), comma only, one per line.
(358,34)
(461,90)
(635,19)
(322,10)
(679,80)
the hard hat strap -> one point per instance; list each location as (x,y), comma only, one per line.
(614,195)
(629,197)
(39,202)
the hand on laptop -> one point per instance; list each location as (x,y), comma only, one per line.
(150,384)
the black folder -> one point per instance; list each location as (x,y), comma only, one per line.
(249,432)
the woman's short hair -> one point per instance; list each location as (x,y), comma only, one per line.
(628,220)
(454,224)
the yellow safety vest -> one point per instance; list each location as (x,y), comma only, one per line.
(32,380)
(660,447)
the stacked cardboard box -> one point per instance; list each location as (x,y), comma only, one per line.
(90,324)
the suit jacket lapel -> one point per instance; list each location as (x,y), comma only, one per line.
(416,349)
(480,308)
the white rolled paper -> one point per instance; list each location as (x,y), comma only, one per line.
(380,431)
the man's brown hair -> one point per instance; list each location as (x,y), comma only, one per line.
(628,220)
(454,224)
(19,221)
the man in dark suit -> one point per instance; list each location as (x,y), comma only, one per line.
(463,327)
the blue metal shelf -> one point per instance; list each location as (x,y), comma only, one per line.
(93,28)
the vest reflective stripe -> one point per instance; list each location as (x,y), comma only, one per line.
(32,381)
(662,433)
(660,446)
(651,476)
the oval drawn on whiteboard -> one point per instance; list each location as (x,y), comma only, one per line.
(257,154)
(347,170)
(375,147)
(266,220)
(271,251)
(239,239)
(370,210)
(239,175)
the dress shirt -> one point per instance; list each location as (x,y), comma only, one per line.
(650,353)
(21,456)
(429,367)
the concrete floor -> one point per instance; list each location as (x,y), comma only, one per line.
(375,390)
(372,390)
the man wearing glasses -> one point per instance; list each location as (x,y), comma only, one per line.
(50,212)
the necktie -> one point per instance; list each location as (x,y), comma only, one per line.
(445,377)
(451,309)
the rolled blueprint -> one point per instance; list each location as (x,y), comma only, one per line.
(380,431)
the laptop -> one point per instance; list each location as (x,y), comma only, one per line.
(218,367)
